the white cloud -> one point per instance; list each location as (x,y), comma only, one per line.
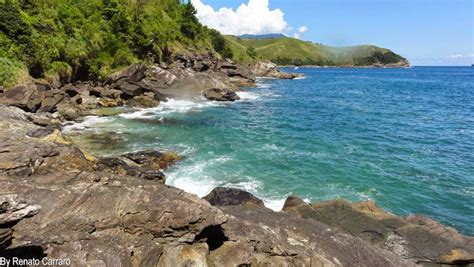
(303,29)
(300,32)
(456,56)
(459,56)
(255,17)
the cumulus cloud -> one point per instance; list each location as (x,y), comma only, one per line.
(300,32)
(255,17)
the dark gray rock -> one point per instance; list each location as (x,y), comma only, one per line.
(222,196)
(218,94)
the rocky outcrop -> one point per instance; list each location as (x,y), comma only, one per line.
(221,196)
(417,238)
(139,85)
(221,95)
(270,69)
(146,164)
(12,210)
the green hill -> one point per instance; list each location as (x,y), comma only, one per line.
(86,39)
(290,51)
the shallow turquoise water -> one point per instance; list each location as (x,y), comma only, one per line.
(402,137)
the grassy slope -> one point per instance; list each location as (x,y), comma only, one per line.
(297,52)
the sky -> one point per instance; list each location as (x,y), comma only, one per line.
(427,32)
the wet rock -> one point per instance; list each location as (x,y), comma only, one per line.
(144,101)
(217,94)
(146,164)
(222,196)
(416,238)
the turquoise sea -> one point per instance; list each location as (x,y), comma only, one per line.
(401,137)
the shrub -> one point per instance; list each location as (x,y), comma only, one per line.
(12,73)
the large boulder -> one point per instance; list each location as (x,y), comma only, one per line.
(217,94)
(416,238)
(26,97)
(145,164)
(221,196)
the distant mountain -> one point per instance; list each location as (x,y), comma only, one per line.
(290,51)
(262,36)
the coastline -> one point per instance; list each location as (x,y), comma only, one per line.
(55,166)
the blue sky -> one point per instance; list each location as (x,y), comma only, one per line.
(427,32)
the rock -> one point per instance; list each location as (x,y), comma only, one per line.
(15,209)
(6,236)
(146,164)
(217,94)
(270,69)
(133,73)
(12,210)
(26,97)
(130,90)
(185,255)
(110,102)
(416,238)
(144,101)
(222,196)
(256,236)
(50,101)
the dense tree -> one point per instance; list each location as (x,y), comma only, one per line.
(92,38)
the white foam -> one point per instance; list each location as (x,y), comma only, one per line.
(169,107)
(193,178)
(88,122)
(247,95)
(300,78)
(274,204)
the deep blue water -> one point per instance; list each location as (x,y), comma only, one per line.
(401,137)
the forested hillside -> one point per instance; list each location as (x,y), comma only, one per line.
(86,39)
(290,51)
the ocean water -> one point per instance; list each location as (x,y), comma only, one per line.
(401,137)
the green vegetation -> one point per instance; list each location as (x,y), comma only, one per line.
(86,39)
(12,72)
(290,51)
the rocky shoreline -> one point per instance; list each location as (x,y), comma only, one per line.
(57,201)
